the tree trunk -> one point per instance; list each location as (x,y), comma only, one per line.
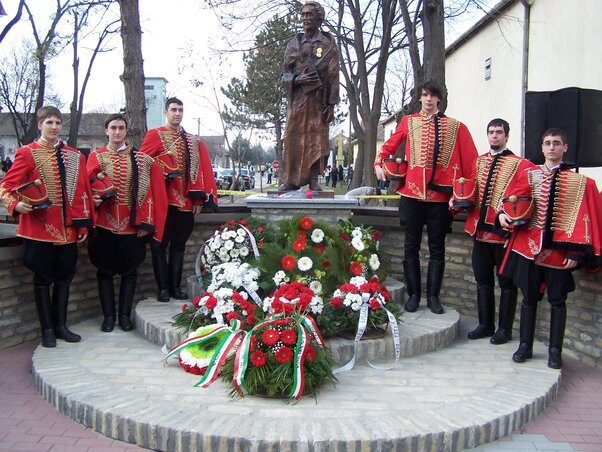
(434,45)
(133,70)
(73,123)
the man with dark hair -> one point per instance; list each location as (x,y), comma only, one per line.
(311,79)
(438,149)
(186,165)
(491,175)
(48,190)
(129,194)
(563,233)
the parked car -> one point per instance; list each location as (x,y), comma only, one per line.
(226,175)
(248,178)
(219,179)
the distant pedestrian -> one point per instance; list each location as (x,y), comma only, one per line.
(327,174)
(349,176)
(334,176)
(341,173)
(270,173)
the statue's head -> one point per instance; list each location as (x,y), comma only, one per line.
(316,9)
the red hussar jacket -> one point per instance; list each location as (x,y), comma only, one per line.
(187,155)
(566,220)
(62,170)
(140,200)
(492,176)
(437,149)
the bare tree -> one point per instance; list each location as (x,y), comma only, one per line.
(13,21)
(80,20)
(133,70)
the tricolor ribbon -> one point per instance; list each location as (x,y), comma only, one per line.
(229,340)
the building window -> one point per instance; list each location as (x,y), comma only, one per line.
(149,87)
(487,68)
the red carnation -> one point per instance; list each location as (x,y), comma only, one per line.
(306,223)
(288,337)
(376,235)
(270,337)
(184,307)
(299,244)
(310,353)
(260,229)
(260,243)
(231,223)
(356,268)
(231,316)
(326,264)
(344,236)
(288,262)
(349,288)
(336,302)
(301,234)
(253,343)
(368,288)
(243,222)
(374,304)
(283,355)
(259,358)
(211,302)
(321,248)
(251,320)
(196,301)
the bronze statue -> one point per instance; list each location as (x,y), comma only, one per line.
(311,78)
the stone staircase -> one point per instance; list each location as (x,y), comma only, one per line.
(445,394)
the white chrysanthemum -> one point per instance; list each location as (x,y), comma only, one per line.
(357,243)
(316,286)
(267,304)
(241,232)
(239,239)
(358,280)
(356,233)
(316,305)
(374,262)
(224,256)
(234,253)
(244,251)
(305,263)
(317,236)
(229,245)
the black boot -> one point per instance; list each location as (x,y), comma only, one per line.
(106,293)
(506,317)
(411,272)
(176,264)
(528,316)
(557,325)
(126,301)
(42,298)
(486,310)
(60,299)
(160,271)
(434,279)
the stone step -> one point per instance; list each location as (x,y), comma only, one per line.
(420,332)
(463,395)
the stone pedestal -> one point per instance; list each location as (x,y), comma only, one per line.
(278,208)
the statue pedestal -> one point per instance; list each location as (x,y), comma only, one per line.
(297,194)
(274,208)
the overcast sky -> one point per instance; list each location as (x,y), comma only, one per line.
(176,33)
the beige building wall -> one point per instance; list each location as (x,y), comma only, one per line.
(564,51)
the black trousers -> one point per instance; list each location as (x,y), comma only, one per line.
(178,227)
(116,254)
(534,280)
(486,258)
(49,263)
(414,215)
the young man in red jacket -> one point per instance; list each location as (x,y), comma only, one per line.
(190,185)
(129,194)
(47,189)
(564,233)
(437,149)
